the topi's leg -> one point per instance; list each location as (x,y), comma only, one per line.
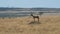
(34,19)
(38,19)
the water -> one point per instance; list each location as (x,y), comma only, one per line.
(21,13)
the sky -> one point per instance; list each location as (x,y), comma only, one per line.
(30,3)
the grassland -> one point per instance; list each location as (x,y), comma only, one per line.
(20,25)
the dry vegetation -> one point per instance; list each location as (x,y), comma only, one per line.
(20,25)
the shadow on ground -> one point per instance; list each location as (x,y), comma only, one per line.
(34,22)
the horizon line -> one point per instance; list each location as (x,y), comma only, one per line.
(27,7)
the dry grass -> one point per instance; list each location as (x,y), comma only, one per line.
(19,25)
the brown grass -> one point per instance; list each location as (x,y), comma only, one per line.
(20,25)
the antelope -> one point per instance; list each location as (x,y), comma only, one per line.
(35,17)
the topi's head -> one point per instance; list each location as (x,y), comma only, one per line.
(41,13)
(31,14)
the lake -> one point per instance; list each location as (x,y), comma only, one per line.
(22,13)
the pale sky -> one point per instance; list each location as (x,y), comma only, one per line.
(30,3)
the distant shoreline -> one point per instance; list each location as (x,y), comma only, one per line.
(23,15)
